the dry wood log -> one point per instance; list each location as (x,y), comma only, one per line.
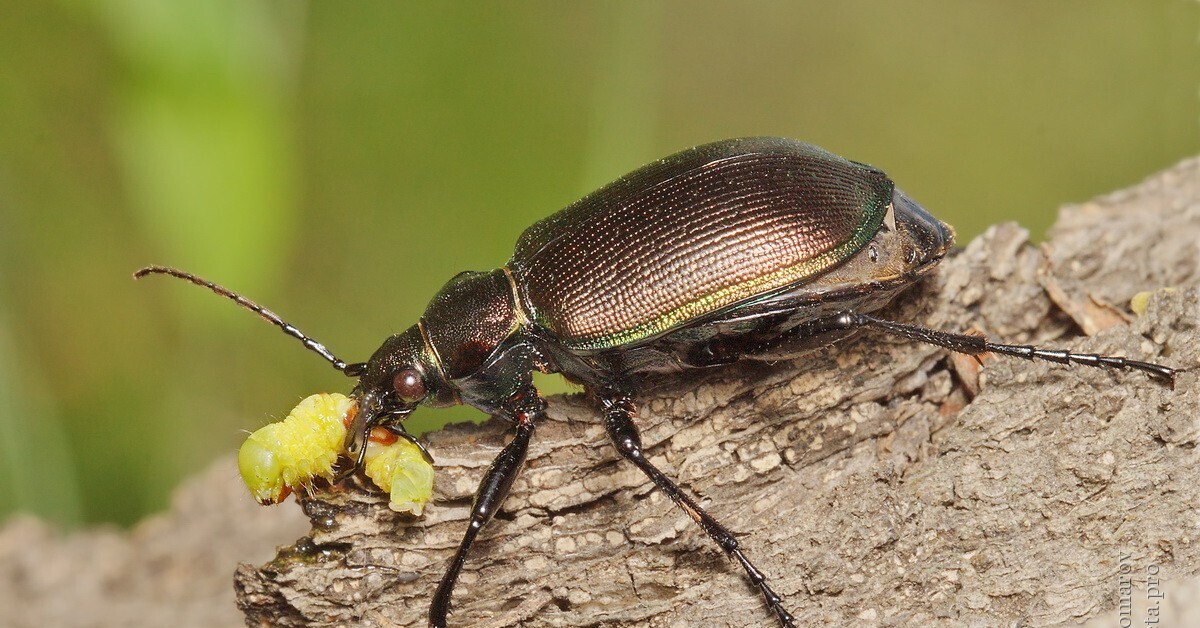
(867,480)
(870,481)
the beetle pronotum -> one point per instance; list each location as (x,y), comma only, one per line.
(745,249)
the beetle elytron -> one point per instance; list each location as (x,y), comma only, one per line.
(745,249)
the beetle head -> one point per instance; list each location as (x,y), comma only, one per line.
(401,375)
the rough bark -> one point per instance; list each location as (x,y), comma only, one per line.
(864,479)
(868,481)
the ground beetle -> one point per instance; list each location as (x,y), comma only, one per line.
(745,249)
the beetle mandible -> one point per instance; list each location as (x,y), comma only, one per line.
(746,249)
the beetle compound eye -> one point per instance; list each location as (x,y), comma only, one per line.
(873,253)
(910,255)
(409,386)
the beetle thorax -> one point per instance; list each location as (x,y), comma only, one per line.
(468,319)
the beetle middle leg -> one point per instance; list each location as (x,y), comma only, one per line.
(618,422)
(524,408)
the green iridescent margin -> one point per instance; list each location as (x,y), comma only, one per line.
(731,295)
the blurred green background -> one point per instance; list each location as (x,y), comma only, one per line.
(339,161)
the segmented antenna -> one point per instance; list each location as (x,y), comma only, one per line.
(353,370)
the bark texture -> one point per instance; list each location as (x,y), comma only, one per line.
(866,480)
(879,482)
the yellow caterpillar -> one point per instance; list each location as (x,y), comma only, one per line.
(283,456)
(399,467)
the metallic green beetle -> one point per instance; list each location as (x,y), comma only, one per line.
(745,249)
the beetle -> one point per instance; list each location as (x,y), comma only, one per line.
(746,249)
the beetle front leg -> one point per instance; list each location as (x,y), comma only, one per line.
(618,421)
(527,407)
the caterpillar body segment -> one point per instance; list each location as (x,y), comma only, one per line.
(280,457)
(400,468)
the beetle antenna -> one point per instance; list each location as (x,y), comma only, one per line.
(352,370)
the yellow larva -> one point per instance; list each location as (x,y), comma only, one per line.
(399,467)
(291,453)
(1142,299)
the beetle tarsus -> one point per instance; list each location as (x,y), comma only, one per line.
(618,422)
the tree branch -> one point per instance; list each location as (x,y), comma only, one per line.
(864,479)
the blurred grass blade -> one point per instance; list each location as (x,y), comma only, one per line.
(36,470)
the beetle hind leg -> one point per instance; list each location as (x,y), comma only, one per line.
(977,345)
(618,422)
